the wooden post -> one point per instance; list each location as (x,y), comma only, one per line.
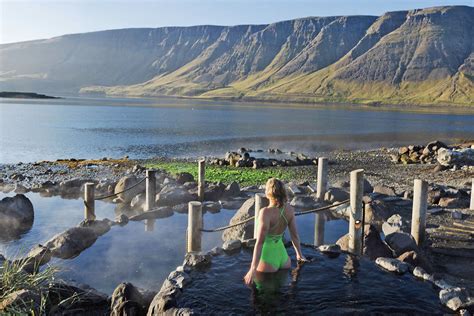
(150,190)
(201,179)
(89,201)
(260,202)
(322,178)
(194,226)
(471,207)
(418,216)
(319,222)
(355,222)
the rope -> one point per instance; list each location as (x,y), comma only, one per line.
(253,217)
(115,194)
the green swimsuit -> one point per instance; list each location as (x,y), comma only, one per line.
(273,250)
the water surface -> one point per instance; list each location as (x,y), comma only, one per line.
(32,130)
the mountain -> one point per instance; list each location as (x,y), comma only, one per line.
(422,56)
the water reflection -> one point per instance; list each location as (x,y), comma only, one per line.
(150,225)
(319,224)
(350,267)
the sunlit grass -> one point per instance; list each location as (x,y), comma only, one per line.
(226,174)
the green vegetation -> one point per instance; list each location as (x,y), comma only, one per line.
(226,174)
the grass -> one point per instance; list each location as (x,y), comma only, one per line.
(226,174)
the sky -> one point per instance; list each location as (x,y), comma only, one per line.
(22,20)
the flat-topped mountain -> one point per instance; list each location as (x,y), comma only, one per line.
(420,56)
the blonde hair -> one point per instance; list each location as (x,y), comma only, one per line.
(275,189)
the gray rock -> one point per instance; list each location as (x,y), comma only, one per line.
(99,227)
(304,203)
(419,272)
(179,278)
(211,207)
(400,243)
(244,231)
(184,177)
(197,260)
(330,249)
(125,183)
(232,190)
(79,297)
(214,192)
(171,195)
(392,225)
(216,251)
(336,195)
(16,216)
(456,215)
(382,189)
(130,300)
(249,243)
(36,257)
(392,265)
(231,245)
(138,201)
(121,220)
(453,297)
(374,247)
(72,242)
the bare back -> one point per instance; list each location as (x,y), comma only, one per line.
(278,224)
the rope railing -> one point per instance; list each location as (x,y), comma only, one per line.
(253,217)
(123,191)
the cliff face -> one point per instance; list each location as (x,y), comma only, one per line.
(420,56)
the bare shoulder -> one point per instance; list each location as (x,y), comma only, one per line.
(289,210)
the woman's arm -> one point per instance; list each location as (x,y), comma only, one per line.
(262,231)
(295,238)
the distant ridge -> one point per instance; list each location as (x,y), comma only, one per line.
(422,56)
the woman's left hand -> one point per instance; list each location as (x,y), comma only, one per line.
(248,279)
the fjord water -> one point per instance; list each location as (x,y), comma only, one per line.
(32,130)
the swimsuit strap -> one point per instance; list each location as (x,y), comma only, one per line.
(284,217)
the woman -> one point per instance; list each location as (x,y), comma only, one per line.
(269,254)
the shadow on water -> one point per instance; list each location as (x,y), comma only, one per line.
(339,286)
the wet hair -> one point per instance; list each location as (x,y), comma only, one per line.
(276,190)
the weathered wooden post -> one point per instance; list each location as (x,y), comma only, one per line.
(471,207)
(260,202)
(322,178)
(355,222)
(418,217)
(194,226)
(150,190)
(89,201)
(201,179)
(319,223)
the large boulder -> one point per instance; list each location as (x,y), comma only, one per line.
(401,242)
(213,192)
(125,183)
(232,190)
(21,300)
(36,257)
(73,241)
(392,265)
(130,300)
(336,195)
(171,195)
(374,247)
(70,299)
(16,216)
(383,189)
(302,202)
(183,177)
(244,231)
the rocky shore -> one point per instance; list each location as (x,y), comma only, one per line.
(445,256)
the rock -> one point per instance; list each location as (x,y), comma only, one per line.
(138,201)
(21,300)
(72,242)
(382,189)
(197,260)
(456,157)
(20,189)
(457,215)
(392,265)
(377,211)
(232,190)
(448,202)
(392,225)
(181,208)
(453,298)
(368,188)
(179,278)
(330,249)
(439,168)
(16,216)
(125,183)
(416,259)
(403,150)
(249,243)
(36,257)
(400,243)
(304,202)
(99,227)
(121,220)
(160,212)
(418,272)
(184,177)
(211,207)
(216,251)
(244,231)
(129,300)
(69,299)
(374,247)
(214,192)
(231,245)
(293,188)
(73,186)
(336,195)
(171,195)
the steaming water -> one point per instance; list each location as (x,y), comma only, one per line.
(340,286)
(129,253)
(141,128)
